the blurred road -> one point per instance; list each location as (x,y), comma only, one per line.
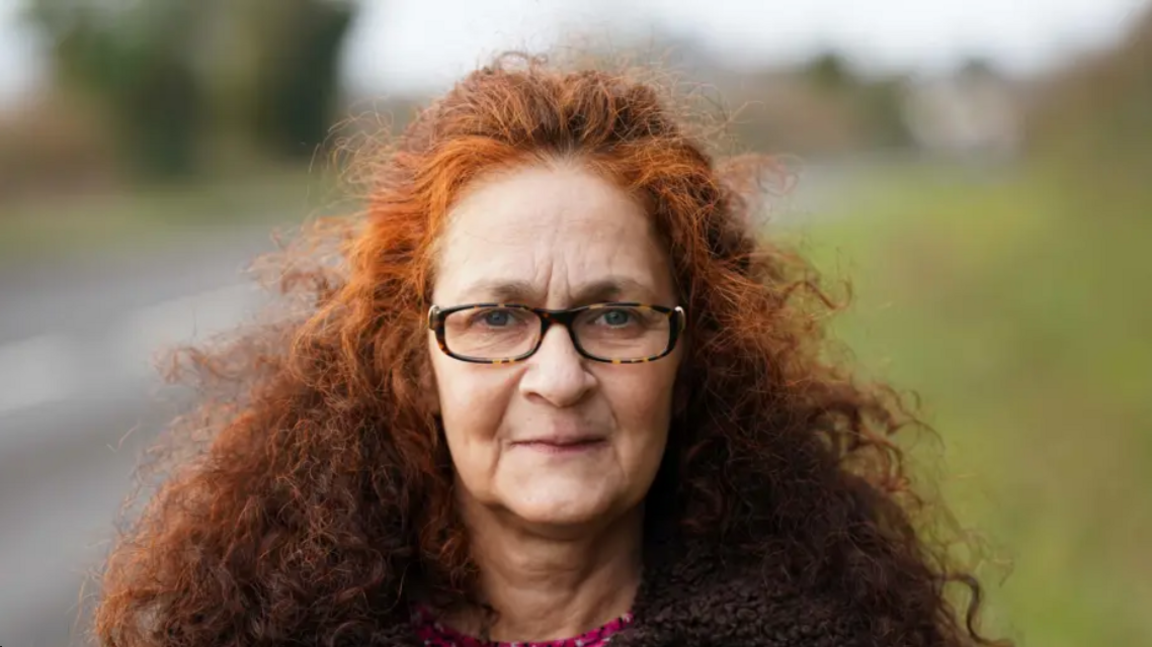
(76,376)
(77,343)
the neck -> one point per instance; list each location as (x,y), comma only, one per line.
(546,586)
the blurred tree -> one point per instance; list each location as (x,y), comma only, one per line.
(135,58)
(882,104)
(978,67)
(54,146)
(172,74)
(874,105)
(1094,121)
(830,71)
(274,69)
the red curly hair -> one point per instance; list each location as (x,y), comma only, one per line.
(320,495)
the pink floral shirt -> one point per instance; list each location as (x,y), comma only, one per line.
(435,634)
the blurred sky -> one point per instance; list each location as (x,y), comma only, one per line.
(424,44)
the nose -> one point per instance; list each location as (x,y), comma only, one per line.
(557,373)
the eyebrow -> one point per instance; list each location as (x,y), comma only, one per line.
(518,291)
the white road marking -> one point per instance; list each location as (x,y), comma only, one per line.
(55,367)
(36,371)
(146,334)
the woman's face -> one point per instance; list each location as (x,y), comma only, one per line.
(555,237)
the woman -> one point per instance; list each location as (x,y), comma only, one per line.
(554,391)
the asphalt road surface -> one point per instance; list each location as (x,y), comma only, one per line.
(79,401)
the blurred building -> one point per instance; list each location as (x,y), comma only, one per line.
(974,112)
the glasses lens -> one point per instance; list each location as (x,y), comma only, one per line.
(618,332)
(491,333)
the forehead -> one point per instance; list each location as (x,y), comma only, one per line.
(553,231)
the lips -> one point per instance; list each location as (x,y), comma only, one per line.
(563,444)
(562,441)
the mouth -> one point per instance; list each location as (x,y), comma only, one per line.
(558,445)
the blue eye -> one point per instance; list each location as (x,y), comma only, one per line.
(617,317)
(497,318)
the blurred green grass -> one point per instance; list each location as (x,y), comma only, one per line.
(1019,311)
(58,228)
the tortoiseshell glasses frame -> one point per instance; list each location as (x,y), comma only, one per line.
(675,316)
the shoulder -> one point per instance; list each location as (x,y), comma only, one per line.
(746,607)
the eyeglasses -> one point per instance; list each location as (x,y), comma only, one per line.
(502,333)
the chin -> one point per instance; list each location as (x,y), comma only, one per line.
(560,514)
(564,512)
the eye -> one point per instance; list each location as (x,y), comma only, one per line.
(617,317)
(495,318)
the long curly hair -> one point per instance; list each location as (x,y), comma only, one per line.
(314,492)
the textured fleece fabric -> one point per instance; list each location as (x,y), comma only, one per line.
(691,598)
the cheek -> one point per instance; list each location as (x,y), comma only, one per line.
(641,401)
(472,399)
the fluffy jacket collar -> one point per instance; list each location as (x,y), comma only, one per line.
(693,598)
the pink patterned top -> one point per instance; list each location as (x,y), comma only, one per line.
(435,634)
